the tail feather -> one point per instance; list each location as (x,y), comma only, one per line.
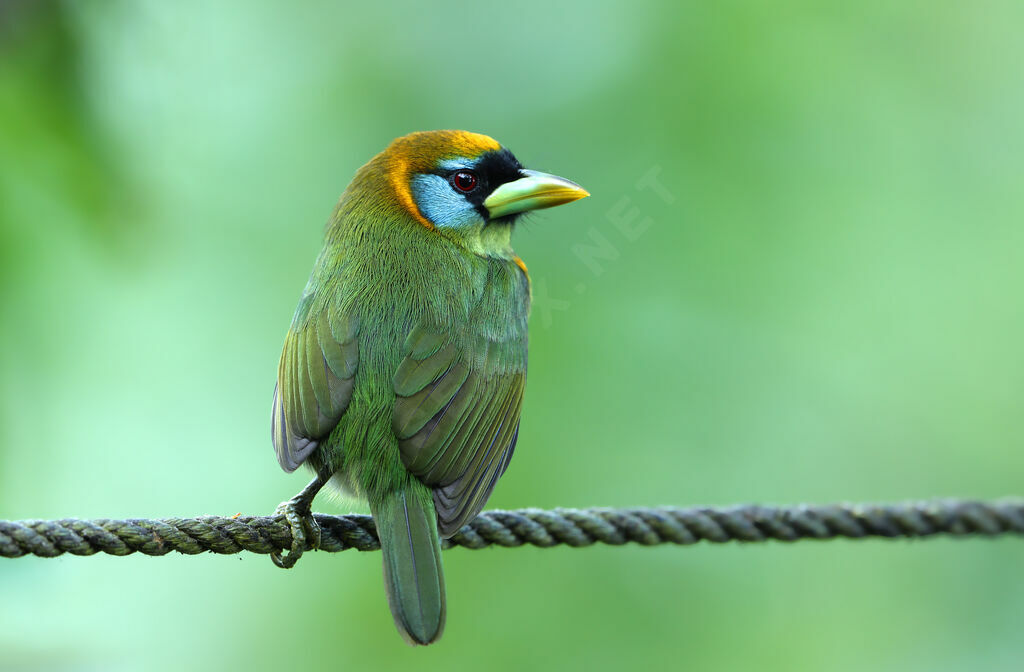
(407,526)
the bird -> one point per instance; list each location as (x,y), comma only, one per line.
(402,374)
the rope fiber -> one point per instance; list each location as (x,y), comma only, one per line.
(535,527)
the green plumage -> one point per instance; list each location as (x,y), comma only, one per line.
(403,374)
(412,562)
(403,371)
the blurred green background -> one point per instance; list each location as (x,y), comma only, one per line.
(822,302)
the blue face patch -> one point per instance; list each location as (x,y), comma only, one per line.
(439,202)
(455,164)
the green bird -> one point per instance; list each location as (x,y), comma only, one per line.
(402,375)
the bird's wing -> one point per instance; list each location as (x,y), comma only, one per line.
(314,383)
(456,417)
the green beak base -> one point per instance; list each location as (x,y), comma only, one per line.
(533,191)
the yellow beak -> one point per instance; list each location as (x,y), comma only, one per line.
(533,191)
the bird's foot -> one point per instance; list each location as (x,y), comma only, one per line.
(299,517)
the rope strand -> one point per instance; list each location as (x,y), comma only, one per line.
(536,527)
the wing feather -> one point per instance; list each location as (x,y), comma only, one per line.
(314,384)
(456,417)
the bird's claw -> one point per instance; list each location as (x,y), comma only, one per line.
(303,527)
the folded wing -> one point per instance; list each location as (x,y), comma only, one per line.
(314,384)
(456,417)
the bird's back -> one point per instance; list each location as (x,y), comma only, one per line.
(403,372)
(409,293)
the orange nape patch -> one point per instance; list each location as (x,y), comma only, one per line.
(422,152)
(398,176)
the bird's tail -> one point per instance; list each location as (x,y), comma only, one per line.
(407,526)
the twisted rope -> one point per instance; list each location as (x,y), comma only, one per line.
(571,527)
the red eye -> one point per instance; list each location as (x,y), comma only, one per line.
(464,181)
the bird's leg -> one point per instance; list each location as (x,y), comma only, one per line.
(298,513)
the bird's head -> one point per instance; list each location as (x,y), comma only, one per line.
(463,184)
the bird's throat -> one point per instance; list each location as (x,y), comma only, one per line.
(491,240)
